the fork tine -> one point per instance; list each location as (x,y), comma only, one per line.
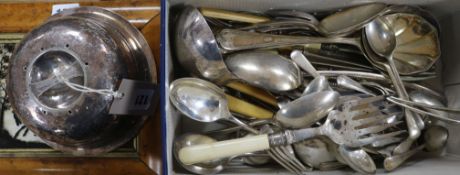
(294,161)
(366,101)
(380,143)
(376,128)
(364,112)
(369,140)
(374,119)
(282,160)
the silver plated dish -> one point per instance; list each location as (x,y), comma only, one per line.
(87,46)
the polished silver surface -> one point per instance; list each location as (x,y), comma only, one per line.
(341,23)
(351,19)
(435,139)
(341,126)
(358,159)
(318,84)
(209,167)
(423,98)
(313,152)
(197,49)
(302,61)
(347,82)
(284,158)
(235,40)
(202,101)
(307,109)
(382,40)
(44,83)
(417,43)
(265,69)
(88,46)
(381,37)
(295,14)
(387,129)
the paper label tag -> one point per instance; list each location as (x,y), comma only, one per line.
(57,8)
(139,98)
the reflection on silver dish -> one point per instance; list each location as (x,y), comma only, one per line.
(86,46)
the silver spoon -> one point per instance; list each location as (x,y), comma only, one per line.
(423,98)
(435,139)
(351,19)
(408,63)
(347,82)
(307,109)
(320,83)
(202,101)
(317,85)
(294,14)
(382,41)
(302,61)
(313,152)
(338,24)
(208,167)
(265,69)
(196,47)
(198,53)
(357,159)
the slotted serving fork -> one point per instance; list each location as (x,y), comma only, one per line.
(355,129)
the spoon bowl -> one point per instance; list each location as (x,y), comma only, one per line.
(202,101)
(381,37)
(417,44)
(318,84)
(199,99)
(307,109)
(197,49)
(265,69)
(357,159)
(435,138)
(208,167)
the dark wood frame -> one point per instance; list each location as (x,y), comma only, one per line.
(21,17)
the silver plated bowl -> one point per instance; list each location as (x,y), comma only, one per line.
(88,46)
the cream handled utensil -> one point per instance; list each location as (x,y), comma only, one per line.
(233,16)
(334,128)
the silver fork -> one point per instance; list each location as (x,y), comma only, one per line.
(283,154)
(280,154)
(289,152)
(353,128)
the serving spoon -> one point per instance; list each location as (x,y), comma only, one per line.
(198,52)
(265,69)
(202,101)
